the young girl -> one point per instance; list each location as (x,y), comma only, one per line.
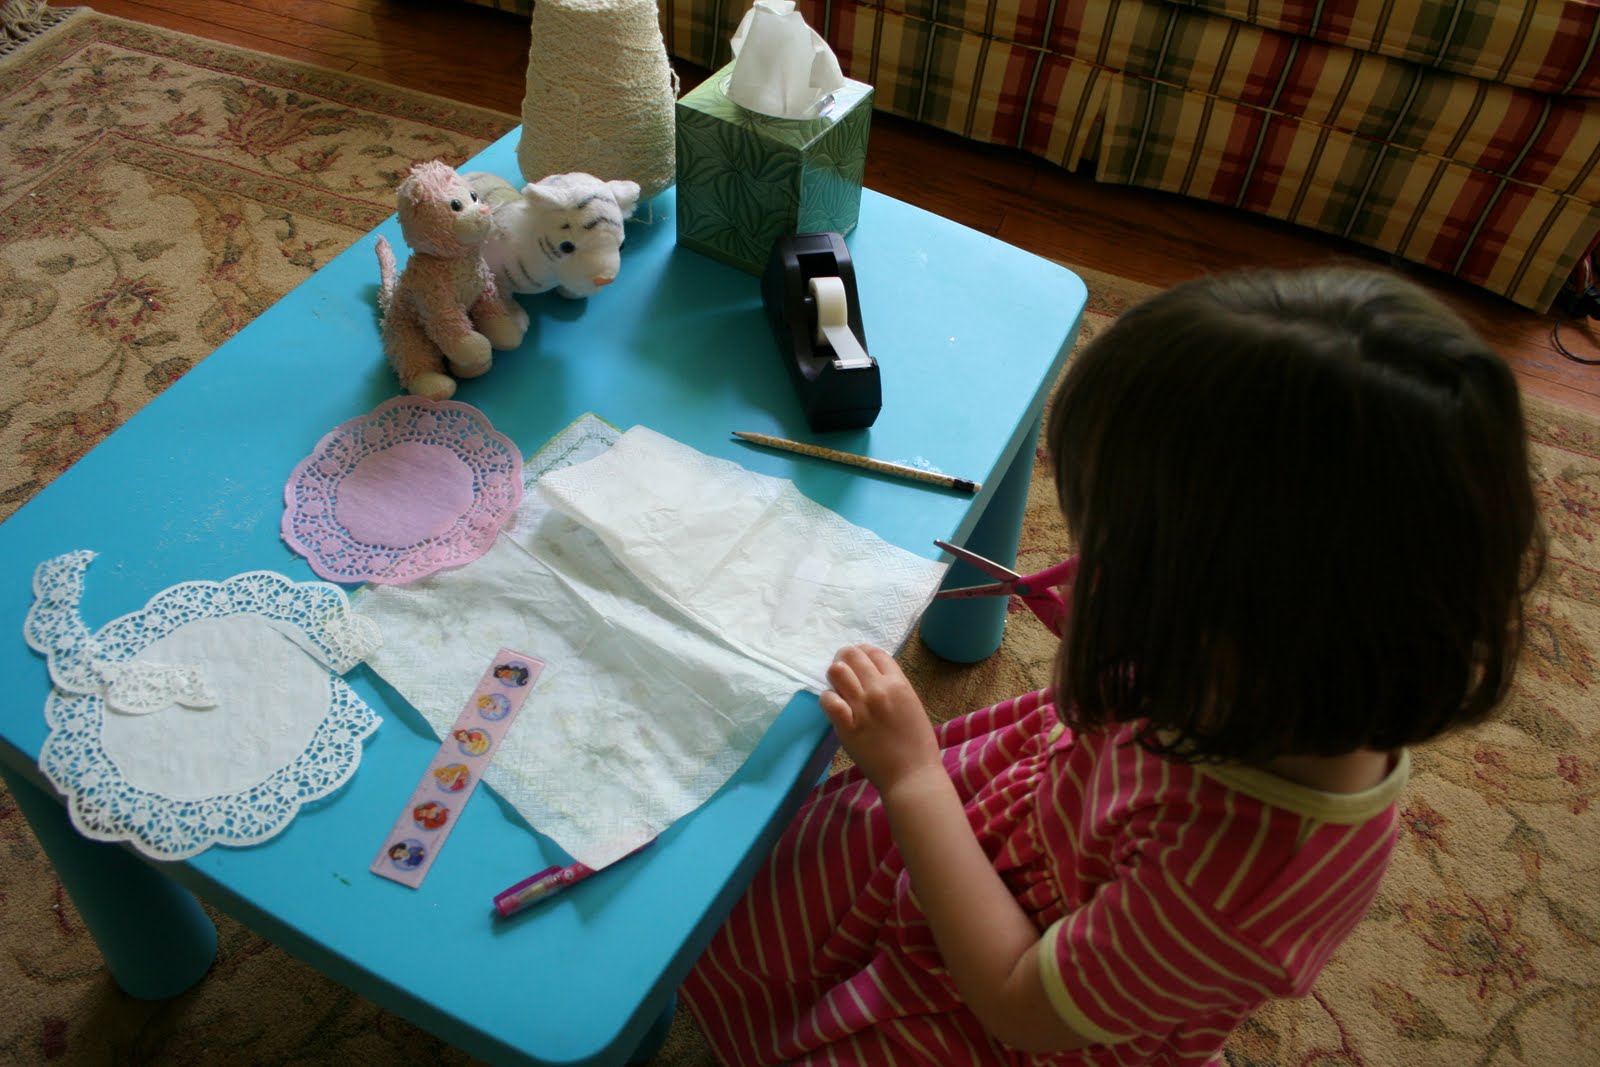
(1306,526)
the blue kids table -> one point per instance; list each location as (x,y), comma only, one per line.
(970,333)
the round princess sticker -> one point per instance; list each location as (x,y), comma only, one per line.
(430,815)
(452,777)
(473,742)
(408,854)
(493,706)
(511,674)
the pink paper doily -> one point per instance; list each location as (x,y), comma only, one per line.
(411,487)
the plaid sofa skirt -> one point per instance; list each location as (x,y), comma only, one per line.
(1463,135)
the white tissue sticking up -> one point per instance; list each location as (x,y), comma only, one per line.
(784,68)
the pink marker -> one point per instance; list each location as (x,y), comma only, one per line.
(536,887)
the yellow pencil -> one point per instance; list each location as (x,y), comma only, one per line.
(882,466)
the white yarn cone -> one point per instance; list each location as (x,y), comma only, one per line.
(600,94)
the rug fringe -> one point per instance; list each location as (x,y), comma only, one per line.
(22,21)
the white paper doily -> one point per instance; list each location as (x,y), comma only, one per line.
(209,716)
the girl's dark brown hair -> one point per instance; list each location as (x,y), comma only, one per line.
(1305,516)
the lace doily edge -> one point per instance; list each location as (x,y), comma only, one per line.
(86,823)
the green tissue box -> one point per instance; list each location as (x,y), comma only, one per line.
(746,179)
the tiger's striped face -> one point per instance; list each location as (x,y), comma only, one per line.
(590,227)
(565,232)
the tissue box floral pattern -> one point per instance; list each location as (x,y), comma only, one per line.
(746,179)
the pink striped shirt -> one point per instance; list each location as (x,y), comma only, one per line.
(1176,899)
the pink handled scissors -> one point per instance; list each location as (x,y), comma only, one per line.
(1038,590)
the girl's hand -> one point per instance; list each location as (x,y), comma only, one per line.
(879,717)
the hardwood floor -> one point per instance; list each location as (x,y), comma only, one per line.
(479,55)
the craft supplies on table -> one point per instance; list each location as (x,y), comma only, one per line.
(813,307)
(544,884)
(427,819)
(678,601)
(1037,590)
(853,459)
(188,482)
(411,487)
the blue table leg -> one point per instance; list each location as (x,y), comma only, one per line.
(156,939)
(966,631)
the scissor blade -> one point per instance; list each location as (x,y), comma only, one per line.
(987,566)
(992,589)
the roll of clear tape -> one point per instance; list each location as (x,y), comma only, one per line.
(832,304)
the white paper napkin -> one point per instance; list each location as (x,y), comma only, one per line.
(678,602)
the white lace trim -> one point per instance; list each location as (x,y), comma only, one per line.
(95,673)
(105,807)
(81,662)
(140,688)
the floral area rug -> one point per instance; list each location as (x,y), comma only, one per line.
(157,192)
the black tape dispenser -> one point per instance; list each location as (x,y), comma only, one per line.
(810,294)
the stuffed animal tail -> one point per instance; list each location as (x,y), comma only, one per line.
(386,276)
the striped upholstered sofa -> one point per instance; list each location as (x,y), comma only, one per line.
(1460,134)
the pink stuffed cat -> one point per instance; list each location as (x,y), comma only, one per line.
(444,314)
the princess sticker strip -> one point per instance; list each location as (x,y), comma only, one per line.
(455,770)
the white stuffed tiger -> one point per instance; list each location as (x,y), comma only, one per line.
(563,232)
